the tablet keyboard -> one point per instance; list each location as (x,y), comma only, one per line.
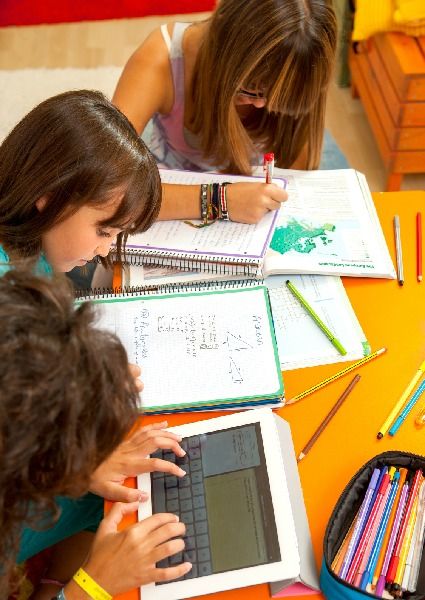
(185,497)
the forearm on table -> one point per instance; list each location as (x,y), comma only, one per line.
(179,202)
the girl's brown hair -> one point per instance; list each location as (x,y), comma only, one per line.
(284,48)
(74,149)
(67,399)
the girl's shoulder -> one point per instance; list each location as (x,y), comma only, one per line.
(157,44)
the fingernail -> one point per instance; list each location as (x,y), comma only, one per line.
(143,496)
(177,517)
(188,566)
(182,472)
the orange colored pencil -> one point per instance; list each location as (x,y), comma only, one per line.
(378,568)
(337,561)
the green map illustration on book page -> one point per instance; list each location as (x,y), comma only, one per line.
(301,237)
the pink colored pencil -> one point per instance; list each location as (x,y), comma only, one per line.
(364,540)
(414,489)
(391,542)
(363,563)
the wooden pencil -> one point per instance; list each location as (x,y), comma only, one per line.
(328,417)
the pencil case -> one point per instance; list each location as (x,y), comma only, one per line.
(332,586)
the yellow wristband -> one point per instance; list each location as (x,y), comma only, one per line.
(89,585)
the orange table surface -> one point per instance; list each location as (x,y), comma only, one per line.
(391,317)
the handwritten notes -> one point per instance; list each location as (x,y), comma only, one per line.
(198,348)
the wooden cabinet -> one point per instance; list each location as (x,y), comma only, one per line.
(388,73)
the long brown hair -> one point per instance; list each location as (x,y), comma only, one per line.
(67,399)
(284,47)
(75,148)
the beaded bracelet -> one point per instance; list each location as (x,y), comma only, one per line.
(89,585)
(204,203)
(207,209)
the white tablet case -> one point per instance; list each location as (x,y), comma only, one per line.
(308,581)
(307,576)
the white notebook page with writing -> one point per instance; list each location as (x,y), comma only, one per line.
(222,238)
(198,347)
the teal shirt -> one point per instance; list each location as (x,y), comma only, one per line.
(42,266)
(83,514)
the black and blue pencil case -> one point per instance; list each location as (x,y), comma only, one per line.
(347,507)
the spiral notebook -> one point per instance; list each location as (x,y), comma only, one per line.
(204,350)
(328,226)
(225,247)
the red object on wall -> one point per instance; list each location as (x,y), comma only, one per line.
(33,12)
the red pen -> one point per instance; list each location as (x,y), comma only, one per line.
(395,558)
(419,246)
(268,166)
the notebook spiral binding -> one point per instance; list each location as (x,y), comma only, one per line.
(192,262)
(170,288)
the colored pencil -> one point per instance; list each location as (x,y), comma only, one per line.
(313,314)
(395,558)
(362,574)
(378,542)
(360,521)
(367,532)
(419,246)
(405,547)
(394,531)
(398,250)
(403,474)
(409,560)
(406,410)
(399,405)
(328,417)
(337,375)
(417,557)
(339,557)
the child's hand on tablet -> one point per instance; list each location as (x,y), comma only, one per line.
(124,560)
(131,458)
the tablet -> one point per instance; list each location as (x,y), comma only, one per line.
(234,502)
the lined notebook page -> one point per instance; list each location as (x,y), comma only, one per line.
(198,347)
(223,238)
(300,341)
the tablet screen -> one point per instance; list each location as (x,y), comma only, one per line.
(224,501)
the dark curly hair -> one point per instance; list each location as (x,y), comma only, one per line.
(67,399)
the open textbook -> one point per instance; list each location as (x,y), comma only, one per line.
(200,350)
(328,226)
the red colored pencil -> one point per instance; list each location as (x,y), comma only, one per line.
(419,246)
